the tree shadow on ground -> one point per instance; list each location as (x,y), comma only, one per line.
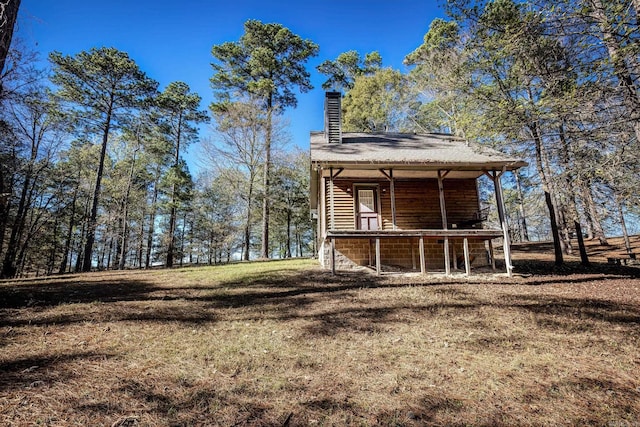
(182,403)
(578,308)
(39,371)
(549,268)
(71,291)
(286,295)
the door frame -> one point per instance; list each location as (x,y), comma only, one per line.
(356,208)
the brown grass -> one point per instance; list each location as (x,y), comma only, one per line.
(283,343)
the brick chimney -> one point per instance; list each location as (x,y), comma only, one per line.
(333,117)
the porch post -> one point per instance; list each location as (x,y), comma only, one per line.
(322,221)
(455,255)
(506,244)
(392,186)
(413,254)
(377,256)
(333,256)
(393,199)
(331,201)
(492,255)
(423,268)
(443,213)
(467,263)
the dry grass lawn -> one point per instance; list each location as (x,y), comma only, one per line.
(284,343)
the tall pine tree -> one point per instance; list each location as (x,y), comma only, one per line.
(267,62)
(101,87)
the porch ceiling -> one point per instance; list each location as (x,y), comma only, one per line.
(399,173)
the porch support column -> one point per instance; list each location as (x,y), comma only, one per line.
(393,199)
(389,176)
(506,244)
(377,256)
(443,213)
(455,255)
(333,256)
(332,218)
(423,268)
(492,255)
(322,220)
(467,263)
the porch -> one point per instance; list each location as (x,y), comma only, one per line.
(446,236)
(436,206)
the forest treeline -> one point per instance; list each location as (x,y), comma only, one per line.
(92,173)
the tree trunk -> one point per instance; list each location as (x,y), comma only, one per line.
(35,225)
(535,133)
(124,239)
(67,246)
(288,241)
(107,265)
(584,259)
(524,233)
(9,267)
(91,226)
(264,253)
(586,211)
(247,226)
(152,218)
(174,201)
(54,248)
(172,228)
(623,225)
(125,216)
(190,235)
(570,181)
(182,237)
(141,240)
(31,175)
(6,190)
(79,249)
(8,15)
(569,208)
(211,251)
(118,234)
(593,213)
(560,208)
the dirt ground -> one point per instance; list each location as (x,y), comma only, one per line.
(284,343)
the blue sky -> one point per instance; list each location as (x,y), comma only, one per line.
(171,40)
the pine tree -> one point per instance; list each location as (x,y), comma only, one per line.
(179,115)
(267,62)
(101,86)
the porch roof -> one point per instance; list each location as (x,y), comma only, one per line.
(402,150)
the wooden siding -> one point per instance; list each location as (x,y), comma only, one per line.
(417,203)
(343,205)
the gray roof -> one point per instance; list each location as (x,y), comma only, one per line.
(397,149)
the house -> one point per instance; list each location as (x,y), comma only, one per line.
(405,200)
